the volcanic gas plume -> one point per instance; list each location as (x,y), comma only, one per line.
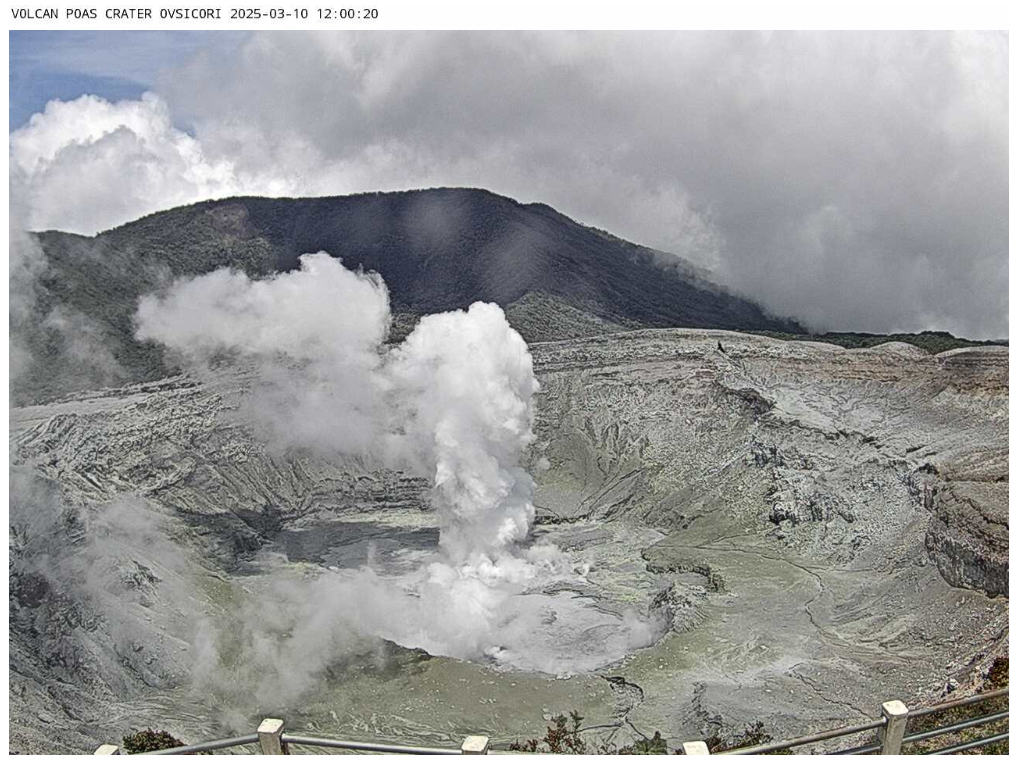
(454,403)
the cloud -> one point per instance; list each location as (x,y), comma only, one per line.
(87,165)
(76,341)
(26,263)
(290,633)
(314,334)
(855,180)
(103,592)
(454,403)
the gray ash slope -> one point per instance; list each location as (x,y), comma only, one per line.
(436,249)
(831,531)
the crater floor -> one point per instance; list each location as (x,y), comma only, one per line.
(817,529)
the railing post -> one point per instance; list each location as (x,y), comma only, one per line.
(695,747)
(896,714)
(270,734)
(107,748)
(474,745)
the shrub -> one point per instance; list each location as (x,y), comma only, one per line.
(150,740)
(564,738)
(751,735)
(997,677)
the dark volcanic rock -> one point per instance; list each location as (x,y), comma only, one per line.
(968,537)
(437,250)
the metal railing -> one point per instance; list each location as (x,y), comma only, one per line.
(200,748)
(826,735)
(891,729)
(272,740)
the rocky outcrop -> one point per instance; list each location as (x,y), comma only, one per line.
(968,537)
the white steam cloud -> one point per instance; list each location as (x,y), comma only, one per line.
(78,563)
(316,334)
(73,159)
(453,403)
(25,264)
(856,181)
(466,381)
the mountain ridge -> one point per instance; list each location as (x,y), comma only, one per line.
(437,249)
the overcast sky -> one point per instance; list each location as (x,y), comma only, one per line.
(856,181)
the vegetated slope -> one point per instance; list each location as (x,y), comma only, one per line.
(437,250)
(933,342)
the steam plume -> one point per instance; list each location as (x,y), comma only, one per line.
(453,403)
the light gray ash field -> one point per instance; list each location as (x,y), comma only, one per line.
(788,532)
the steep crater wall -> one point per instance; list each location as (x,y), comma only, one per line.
(817,520)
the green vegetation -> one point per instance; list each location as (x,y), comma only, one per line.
(933,342)
(997,678)
(437,250)
(150,740)
(751,735)
(565,737)
(78,328)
